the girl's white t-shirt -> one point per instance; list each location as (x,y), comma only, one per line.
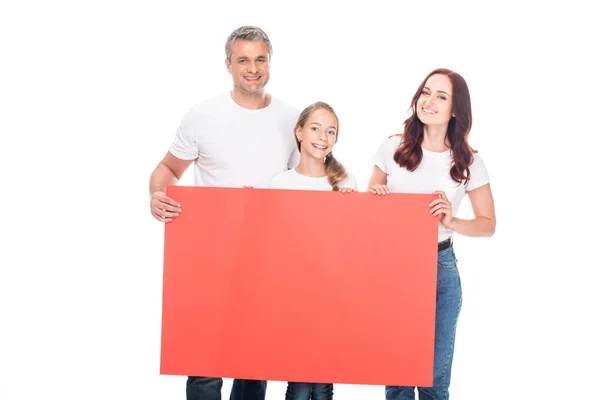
(293,180)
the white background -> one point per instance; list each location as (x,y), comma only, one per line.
(91,94)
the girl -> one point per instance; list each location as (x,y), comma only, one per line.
(316,133)
(433,156)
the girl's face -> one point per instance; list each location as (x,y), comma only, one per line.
(434,106)
(318,135)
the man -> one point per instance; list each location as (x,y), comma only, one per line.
(240,138)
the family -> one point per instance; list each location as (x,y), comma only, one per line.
(246,137)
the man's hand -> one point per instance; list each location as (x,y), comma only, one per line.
(164,208)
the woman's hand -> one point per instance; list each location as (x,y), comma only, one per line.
(441,207)
(379,189)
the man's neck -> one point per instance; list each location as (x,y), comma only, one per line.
(251,101)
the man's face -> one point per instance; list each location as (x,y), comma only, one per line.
(249,66)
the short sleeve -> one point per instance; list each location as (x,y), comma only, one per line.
(185,145)
(479,174)
(294,158)
(349,182)
(385,153)
(276,181)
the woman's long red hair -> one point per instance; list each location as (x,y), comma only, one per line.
(409,154)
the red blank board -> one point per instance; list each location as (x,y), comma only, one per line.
(300,286)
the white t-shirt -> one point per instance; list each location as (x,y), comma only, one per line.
(233,146)
(293,180)
(432,174)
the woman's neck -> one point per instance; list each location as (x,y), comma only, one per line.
(435,139)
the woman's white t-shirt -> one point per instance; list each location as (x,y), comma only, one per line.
(432,174)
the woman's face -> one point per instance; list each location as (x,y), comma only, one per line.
(434,105)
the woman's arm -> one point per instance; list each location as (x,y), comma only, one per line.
(484,223)
(378,182)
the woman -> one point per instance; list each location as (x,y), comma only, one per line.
(433,156)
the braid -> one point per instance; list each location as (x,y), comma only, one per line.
(335,171)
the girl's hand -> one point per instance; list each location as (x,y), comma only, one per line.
(347,190)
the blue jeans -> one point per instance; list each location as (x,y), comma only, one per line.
(448,303)
(203,388)
(308,391)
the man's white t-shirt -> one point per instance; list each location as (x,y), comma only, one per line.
(432,174)
(233,146)
(294,181)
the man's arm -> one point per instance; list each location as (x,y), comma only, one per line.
(167,172)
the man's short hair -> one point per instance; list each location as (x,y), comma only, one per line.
(247,33)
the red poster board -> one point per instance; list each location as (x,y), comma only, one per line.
(300,286)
